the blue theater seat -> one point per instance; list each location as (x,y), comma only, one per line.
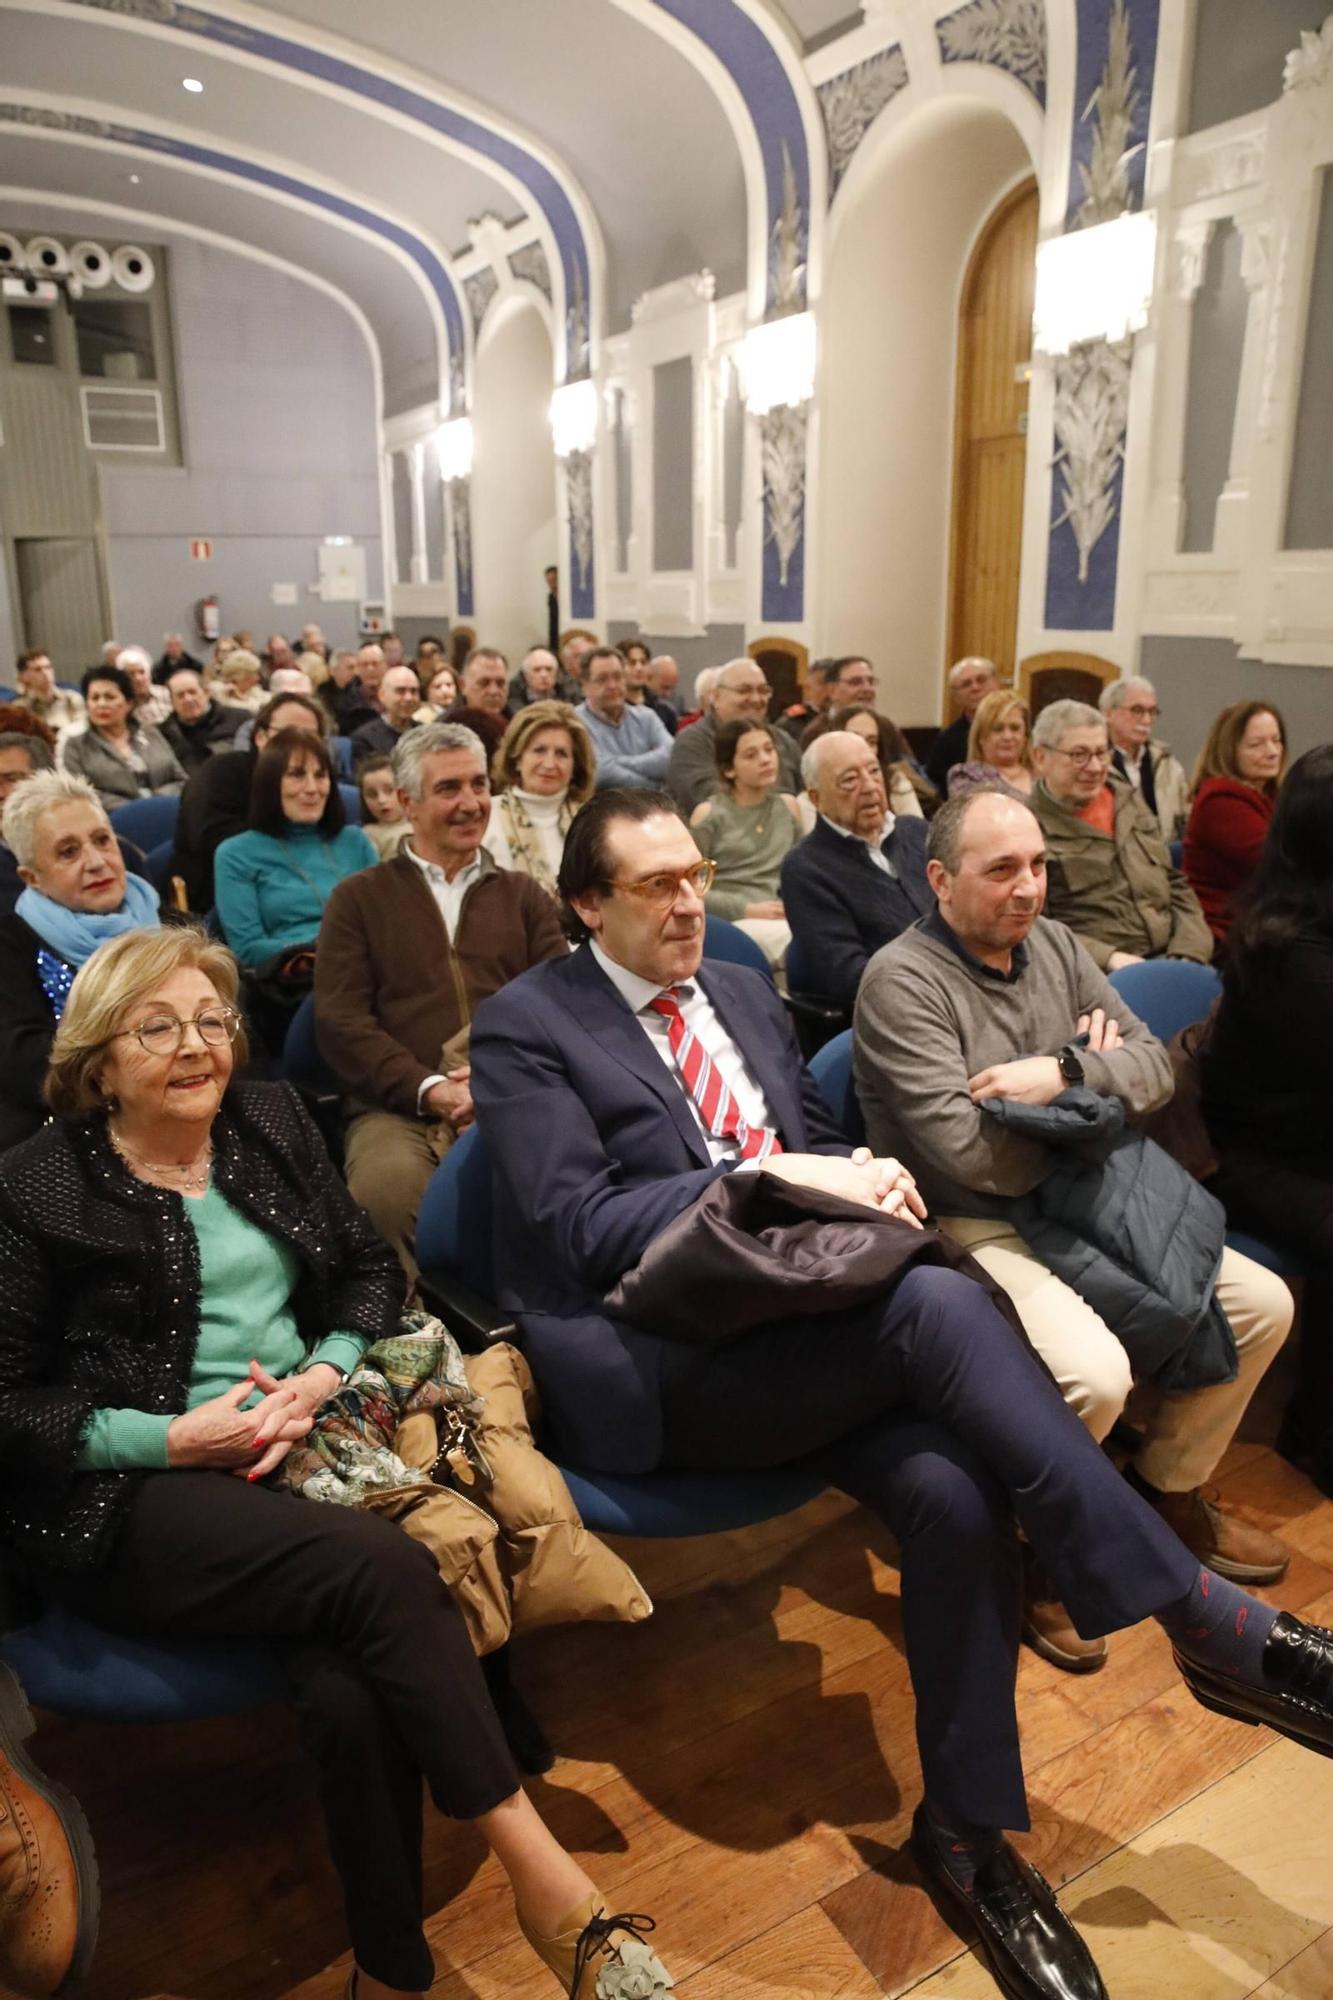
(734,946)
(1167,994)
(147,822)
(76,1669)
(831,1068)
(453,1246)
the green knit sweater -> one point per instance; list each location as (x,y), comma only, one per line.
(246,1283)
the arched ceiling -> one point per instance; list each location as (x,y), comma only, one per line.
(361,144)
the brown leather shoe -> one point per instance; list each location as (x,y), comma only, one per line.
(597,1956)
(1048,1628)
(48,1871)
(1234,1548)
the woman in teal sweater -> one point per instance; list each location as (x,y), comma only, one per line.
(273,882)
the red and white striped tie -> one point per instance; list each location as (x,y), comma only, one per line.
(703,1080)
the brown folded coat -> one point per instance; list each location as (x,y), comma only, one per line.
(753,1248)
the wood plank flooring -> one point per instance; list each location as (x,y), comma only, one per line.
(744,1767)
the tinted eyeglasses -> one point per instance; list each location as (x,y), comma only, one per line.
(659,892)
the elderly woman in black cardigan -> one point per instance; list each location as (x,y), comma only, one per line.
(183,1280)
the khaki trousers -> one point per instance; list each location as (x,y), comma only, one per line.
(388,1161)
(1188,1432)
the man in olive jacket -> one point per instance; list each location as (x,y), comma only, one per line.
(1108,873)
(407,951)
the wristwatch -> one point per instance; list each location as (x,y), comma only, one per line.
(1071,1069)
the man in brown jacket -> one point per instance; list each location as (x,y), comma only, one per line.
(407,951)
(1108,873)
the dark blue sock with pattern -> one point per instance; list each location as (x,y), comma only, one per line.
(1222,1625)
(961,1845)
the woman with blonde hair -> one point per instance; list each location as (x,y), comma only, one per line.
(999,748)
(542,773)
(1235,790)
(184,1279)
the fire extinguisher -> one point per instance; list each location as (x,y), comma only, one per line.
(208,617)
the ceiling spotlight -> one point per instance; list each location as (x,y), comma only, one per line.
(191,83)
(134,180)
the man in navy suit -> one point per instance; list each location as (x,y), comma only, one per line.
(611,1088)
(859,879)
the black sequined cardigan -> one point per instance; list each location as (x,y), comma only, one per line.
(99,1297)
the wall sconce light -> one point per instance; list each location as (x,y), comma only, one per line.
(453,448)
(1094,284)
(777,363)
(574,418)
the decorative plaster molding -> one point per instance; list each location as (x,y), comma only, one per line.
(1312,63)
(782,456)
(1256,251)
(1220,169)
(1191,255)
(480,288)
(1191,593)
(852,100)
(578,350)
(578,493)
(679,295)
(1008,34)
(1091,413)
(530,267)
(1270,391)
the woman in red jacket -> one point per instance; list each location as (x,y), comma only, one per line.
(1235,790)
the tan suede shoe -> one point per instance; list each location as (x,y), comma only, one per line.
(1235,1548)
(1049,1629)
(597,1956)
(48,1871)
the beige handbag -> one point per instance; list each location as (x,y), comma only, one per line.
(500,1520)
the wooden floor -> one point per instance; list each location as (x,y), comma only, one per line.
(744,1767)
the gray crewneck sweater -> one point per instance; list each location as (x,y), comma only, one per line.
(927,1019)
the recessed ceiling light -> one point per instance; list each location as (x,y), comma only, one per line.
(134,180)
(191,83)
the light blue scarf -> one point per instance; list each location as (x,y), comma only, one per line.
(76,934)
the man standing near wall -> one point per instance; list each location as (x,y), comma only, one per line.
(970,681)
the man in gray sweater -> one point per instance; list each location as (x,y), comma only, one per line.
(984,998)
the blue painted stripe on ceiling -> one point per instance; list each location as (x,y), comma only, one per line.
(531,173)
(756,69)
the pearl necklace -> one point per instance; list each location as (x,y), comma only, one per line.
(193,1179)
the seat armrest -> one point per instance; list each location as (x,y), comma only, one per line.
(474,1321)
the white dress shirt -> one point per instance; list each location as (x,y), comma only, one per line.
(449,902)
(699,1017)
(875,849)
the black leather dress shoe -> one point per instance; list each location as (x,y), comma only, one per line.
(1296,1694)
(1029,1944)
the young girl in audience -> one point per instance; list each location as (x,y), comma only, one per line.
(383,821)
(1235,790)
(747,828)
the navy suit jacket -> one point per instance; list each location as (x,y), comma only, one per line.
(842,908)
(594,1150)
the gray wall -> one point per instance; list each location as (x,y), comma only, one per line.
(1217,341)
(279,436)
(1310,501)
(673,464)
(1195,678)
(1239,49)
(719,644)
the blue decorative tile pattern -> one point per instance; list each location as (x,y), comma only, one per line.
(1008,34)
(851,102)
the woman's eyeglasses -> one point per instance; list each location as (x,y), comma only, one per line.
(162,1034)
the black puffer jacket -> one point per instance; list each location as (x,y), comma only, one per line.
(99,1297)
